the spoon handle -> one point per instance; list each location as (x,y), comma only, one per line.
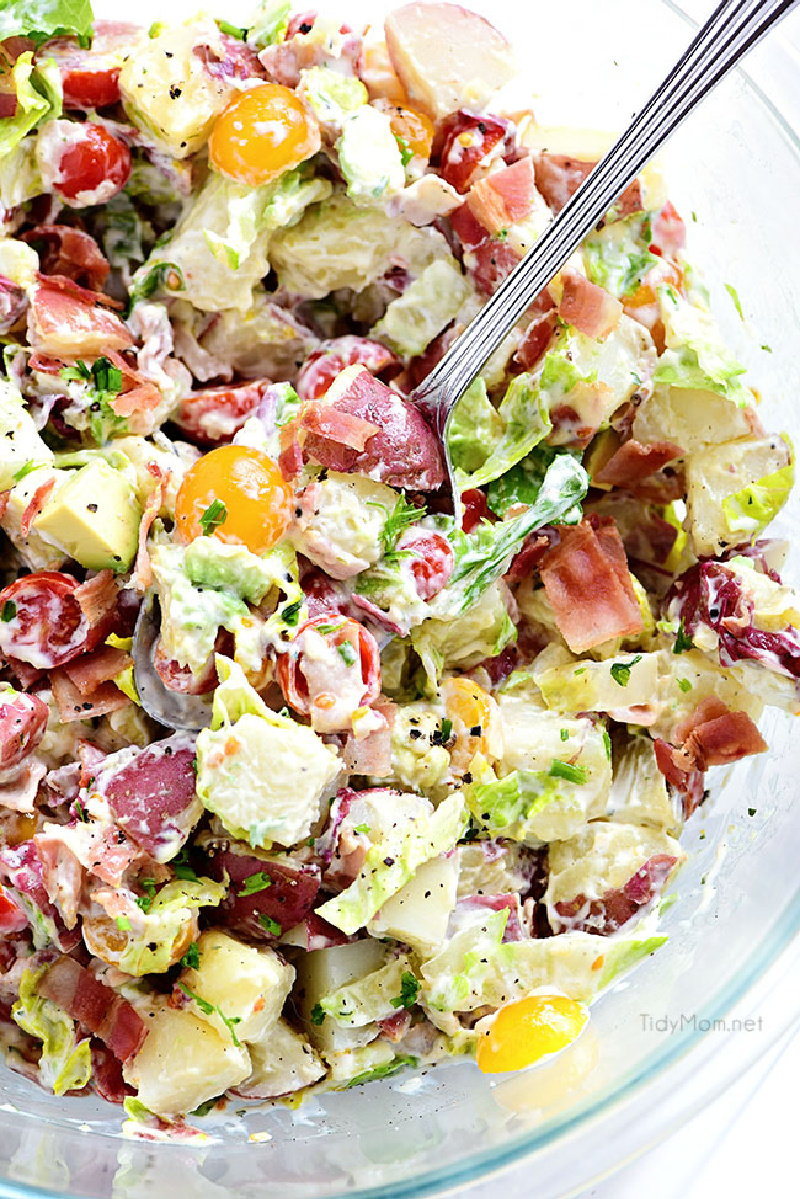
(730,32)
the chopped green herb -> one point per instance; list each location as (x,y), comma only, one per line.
(767,348)
(270,925)
(194,765)
(406,153)
(734,295)
(324,629)
(215,515)
(79,372)
(409,989)
(25,470)
(255,883)
(191,959)
(107,377)
(317,1015)
(386,1071)
(229,1022)
(346,653)
(291,613)
(447,728)
(565,734)
(607,743)
(9,611)
(694,216)
(752,811)
(565,770)
(123,924)
(145,901)
(84,819)
(361,828)
(684,684)
(501,235)
(621,671)
(401,517)
(682,641)
(205,1007)
(182,868)
(232,30)
(205,1108)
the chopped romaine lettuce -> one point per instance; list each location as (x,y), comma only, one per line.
(482,631)
(617,257)
(369,156)
(38,92)
(371,997)
(170,916)
(696,356)
(431,302)
(525,416)
(751,509)
(331,95)
(474,428)
(64,1064)
(267,24)
(42,19)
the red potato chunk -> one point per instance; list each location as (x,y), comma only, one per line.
(447,57)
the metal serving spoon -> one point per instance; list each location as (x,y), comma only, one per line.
(730,32)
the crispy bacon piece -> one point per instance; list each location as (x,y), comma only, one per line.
(504,197)
(329,421)
(633,462)
(587,581)
(35,506)
(616,907)
(558,177)
(69,252)
(95,1006)
(536,340)
(688,783)
(404,451)
(715,736)
(97,597)
(588,307)
(73,705)
(238,60)
(68,325)
(23,720)
(142,573)
(101,666)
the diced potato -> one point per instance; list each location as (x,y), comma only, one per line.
(282,1062)
(248,985)
(323,972)
(447,57)
(38,551)
(720,471)
(167,90)
(183,1062)
(690,419)
(419,912)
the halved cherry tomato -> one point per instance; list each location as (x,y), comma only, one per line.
(413,128)
(90,161)
(212,415)
(433,560)
(322,367)
(530,1029)
(43,624)
(12,918)
(302,682)
(263,132)
(237,494)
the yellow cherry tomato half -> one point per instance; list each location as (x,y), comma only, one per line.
(414,129)
(530,1029)
(470,709)
(262,133)
(237,494)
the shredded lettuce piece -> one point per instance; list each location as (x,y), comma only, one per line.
(751,509)
(696,356)
(38,99)
(526,421)
(64,1065)
(268,23)
(474,428)
(42,19)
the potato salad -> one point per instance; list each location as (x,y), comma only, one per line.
(436,795)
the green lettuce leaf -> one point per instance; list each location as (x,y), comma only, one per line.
(617,257)
(38,98)
(524,413)
(751,509)
(42,19)
(696,356)
(431,302)
(522,484)
(268,23)
(474,428)
(331,95)
(64,1065)
(369,998)
(389,866)
(169,914)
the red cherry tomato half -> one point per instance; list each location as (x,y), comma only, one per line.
(476,509)
(310,695)
(23,719)
(45,626)
(432,563)
(322,367)
(88,162)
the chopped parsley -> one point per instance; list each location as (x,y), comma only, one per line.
(255,883)
(215,515)
(361,828)
(684,684)
(682,640)
(26,470)
(291,613)
(409,989)
(317,1015)
(270,925)
(324,629)
(752,811)
(145,901)
(607,743)
(9,611)
(565,734)
(191,959)
(447,728)
(208,1009)
(565,770)
(232,30)
(401,518)
(123,924)
(621,671)
(406,153)
(346,653)
(107,378)
(84,819)
(182,868)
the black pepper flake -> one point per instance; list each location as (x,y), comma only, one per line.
(174,91)
(91,507)
(168,54)
(481,127)
(388,861)
(306,27)
(475,731)
(415,733)
(427,894)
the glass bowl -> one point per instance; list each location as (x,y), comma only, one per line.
(688,1021)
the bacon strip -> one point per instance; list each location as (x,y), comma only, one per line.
(65,320)
(345,428)
(97,596)
(714,735)
(95,1006)
(35,506)
(504,197)
(69,252)
(73,705)
(588,307)
(90,670)
(587,581)
(633,462)
(558,177)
